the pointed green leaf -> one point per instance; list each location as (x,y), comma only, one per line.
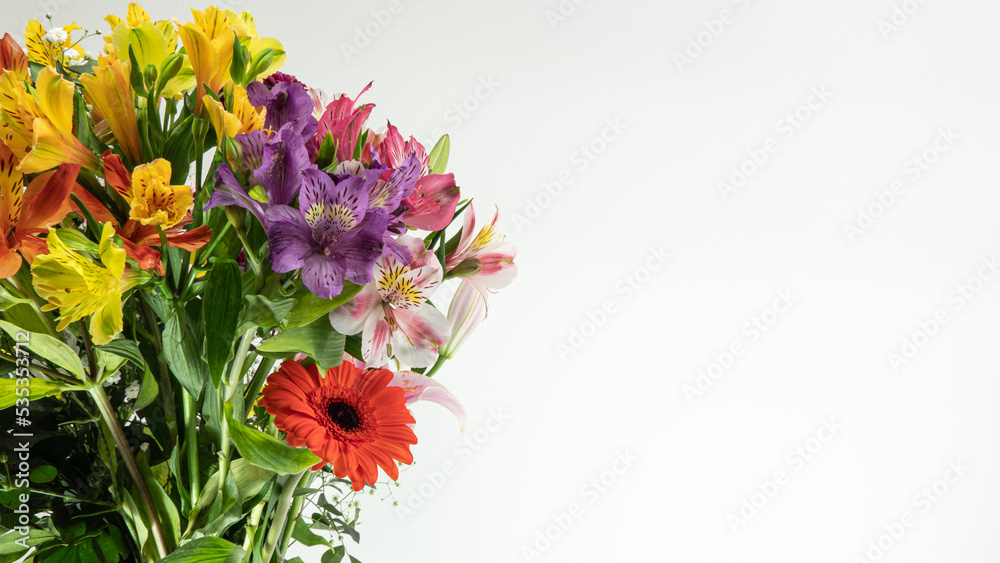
(261,311)
(124,348)
(310,307)
(182,355)
(148,390)
(8,299)
(438,158)
(52,349)
(318,340)
(221,311)
(267,452)
(206,550)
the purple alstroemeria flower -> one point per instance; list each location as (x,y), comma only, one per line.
(283,160)
(287,104)
(386,189)
(333,235)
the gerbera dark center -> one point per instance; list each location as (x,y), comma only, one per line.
(343,415)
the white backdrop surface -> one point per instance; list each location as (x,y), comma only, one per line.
(758,303)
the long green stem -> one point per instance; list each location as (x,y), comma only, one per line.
(293,515)
(253,526)
(263,370)
(191,441)
(289,484)
(111,419)
(166,386)
(236,369)
(249,252)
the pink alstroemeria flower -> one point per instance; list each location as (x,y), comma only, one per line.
(486,260)
(419,387)
(392,151)
(432,203)
(392,312)
(344,122)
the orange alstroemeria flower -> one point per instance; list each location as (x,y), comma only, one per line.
(138,239)
(12,57)
(25,214)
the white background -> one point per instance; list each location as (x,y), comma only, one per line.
(551,411)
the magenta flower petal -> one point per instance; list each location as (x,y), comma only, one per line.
(432,204)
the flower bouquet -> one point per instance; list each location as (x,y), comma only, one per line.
(215,295)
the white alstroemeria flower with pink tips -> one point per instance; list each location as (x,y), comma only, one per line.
(486,260)
(419,387)
(392,312)
(466,312)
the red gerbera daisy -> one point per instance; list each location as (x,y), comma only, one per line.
(351,418)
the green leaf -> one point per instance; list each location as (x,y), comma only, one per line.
(86,552)
(148,390)
(42,474)
(261,311)
(301,533)
(178,150)
(267,452)
(37,389)
(327,151)
(206,550)
(238,67)
(135,76)
(110,549)
(8,299)
(181,353)
(310,307)
(318,340)
(335,555)
(438,158)
(8,539)
(224,511)
(221,311)
(170,520)
(52,349)
(124,348)
(249,480)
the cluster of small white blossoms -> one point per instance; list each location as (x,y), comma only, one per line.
(58,35)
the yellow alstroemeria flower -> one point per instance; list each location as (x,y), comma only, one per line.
(209,43)
(243,118)
(39,128)
(110,92)
(246,27)
(154,201)
(53,47)
(151,43)
(78,287)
